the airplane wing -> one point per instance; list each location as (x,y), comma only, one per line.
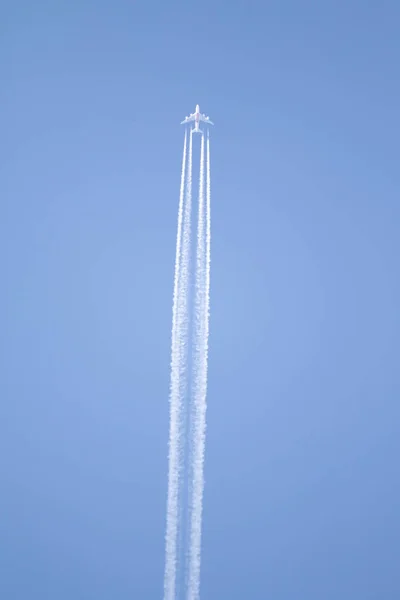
(188,119)
(206,119)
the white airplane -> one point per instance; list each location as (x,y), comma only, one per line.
(197,117)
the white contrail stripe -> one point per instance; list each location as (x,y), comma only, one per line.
(183,350)
(208,248)
(175,409)
(200,377)
(178,474)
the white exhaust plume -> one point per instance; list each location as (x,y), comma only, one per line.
(184,364)
(200,375)
(177,385)
(189,365)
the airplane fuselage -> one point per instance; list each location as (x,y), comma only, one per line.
(197,119)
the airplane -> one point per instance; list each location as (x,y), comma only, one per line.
(197,117)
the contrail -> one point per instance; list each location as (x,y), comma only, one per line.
(200,368)
(197,378)
(184,362)
(177,384)
(188,384)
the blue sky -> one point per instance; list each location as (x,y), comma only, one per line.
(302,486)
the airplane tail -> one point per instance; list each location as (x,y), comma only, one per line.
(198,131)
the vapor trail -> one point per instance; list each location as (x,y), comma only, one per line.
(200,373)
(186,461)
(184,360)
(177,384)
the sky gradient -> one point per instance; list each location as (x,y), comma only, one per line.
(302,486)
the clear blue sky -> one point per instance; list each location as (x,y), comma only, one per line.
(302,479)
